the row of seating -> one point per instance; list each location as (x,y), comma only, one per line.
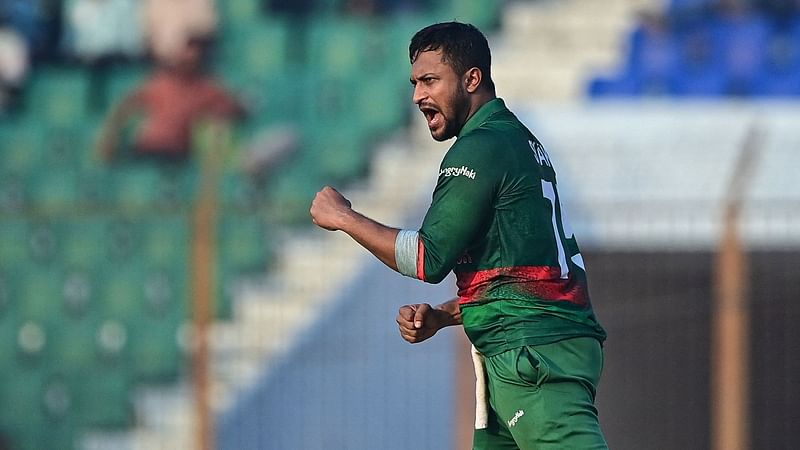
(721,55)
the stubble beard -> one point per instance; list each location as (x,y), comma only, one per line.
(459,111)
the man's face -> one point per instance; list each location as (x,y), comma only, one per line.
(440,95)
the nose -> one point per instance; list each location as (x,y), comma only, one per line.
(419,94)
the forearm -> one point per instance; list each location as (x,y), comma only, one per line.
(377,238)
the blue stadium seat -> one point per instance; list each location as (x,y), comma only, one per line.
(739,43)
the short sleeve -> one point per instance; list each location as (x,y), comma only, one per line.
(462,205)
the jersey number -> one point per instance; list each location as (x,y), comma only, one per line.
(549,191)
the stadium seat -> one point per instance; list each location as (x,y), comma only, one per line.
(74,347)
(155,355)
(243,243)
(85,243)
(54,191)
(166,239)
(58,95)
(121,294)
(41,294)
(33,410)
(346,47)
(15,251)
(238,13)
(254,51)
(23,147)
(103,396)
(484,15)
(139,187)
(740,43)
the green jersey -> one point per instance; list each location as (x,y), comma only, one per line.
(496,222)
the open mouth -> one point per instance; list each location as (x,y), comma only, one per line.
(432,116)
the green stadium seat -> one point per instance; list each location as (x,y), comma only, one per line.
(484,15)
(34,410)
(348,48)
(383,103)
(166,291)
(85,242)
(238,13)
(253,52)
(166,240)
(14,242)
(341,153)
(80,292)
(155,354)
(23,147)
(291,194)
(137,187)
(12,193)
(8,337)
(103,397)
(122,293)
(55,191)
(123,80)
(124,240)
(243,243)
(74,347)
(58,96)
(44,239)
(40,295)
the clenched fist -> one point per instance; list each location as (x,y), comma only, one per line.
(421,321)
(329,209)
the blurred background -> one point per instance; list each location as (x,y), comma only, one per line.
(161,286)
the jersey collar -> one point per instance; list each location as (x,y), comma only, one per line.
(482,115)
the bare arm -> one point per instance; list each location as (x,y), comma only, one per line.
(108,141)
(421,321)
(331,211)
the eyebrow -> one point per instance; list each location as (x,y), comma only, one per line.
(424,75)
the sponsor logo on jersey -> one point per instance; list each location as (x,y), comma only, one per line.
(515,419)
(458,172)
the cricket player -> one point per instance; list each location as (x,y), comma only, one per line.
(496,221)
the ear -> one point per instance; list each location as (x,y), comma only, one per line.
(472,79)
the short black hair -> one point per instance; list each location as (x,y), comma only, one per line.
(463,47)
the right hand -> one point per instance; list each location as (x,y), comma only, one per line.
(418,322)
(328,209)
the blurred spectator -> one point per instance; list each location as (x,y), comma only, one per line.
(14,61)
(169,105)
(740,36)
(780,11)
(291,8)
(98,29)
(652,58)
(702,74)
(100,33)
(171,23)
(26,17)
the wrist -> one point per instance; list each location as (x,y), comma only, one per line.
(348,220)
(449,314)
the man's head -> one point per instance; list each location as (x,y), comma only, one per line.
(450,71)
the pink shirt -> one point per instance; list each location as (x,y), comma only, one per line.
(173,105)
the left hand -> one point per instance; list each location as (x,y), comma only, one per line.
(420,321)
(329,209)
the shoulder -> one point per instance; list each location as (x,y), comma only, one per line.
(484,147)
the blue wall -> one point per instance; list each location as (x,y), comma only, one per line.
(352,383)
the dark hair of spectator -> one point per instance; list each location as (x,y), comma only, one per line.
(463,47)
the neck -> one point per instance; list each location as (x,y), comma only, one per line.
(477,100)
